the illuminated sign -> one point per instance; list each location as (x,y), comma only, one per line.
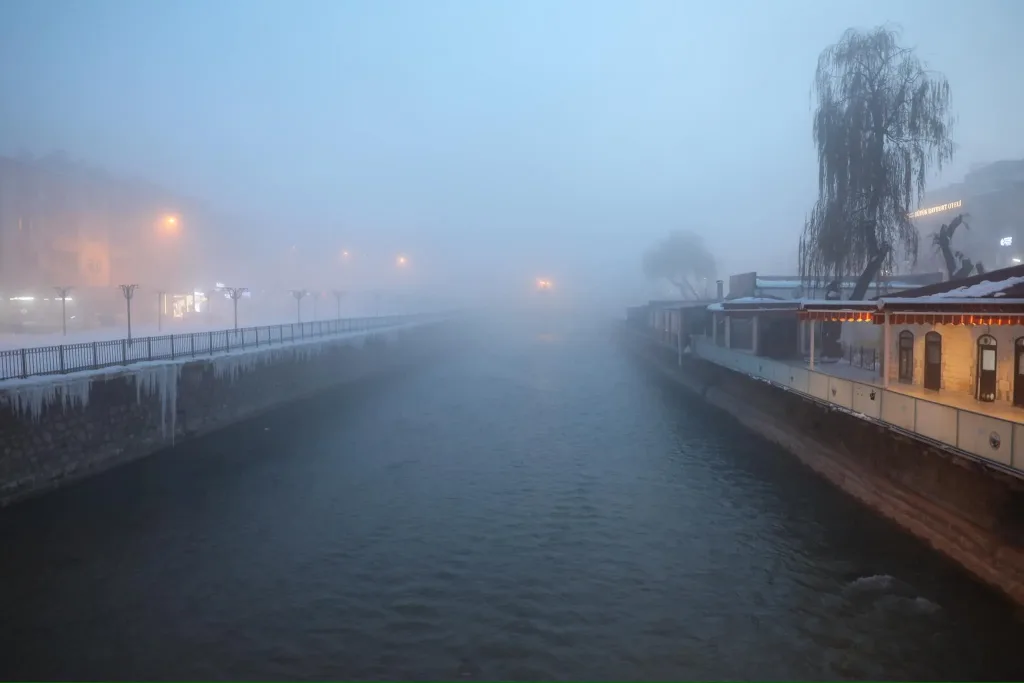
(937,209)
(1006,242)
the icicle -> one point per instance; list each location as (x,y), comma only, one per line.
(161,381)
(32,400)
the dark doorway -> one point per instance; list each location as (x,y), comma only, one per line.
(906,356)
(1018,372)
(986,368)
(933,361)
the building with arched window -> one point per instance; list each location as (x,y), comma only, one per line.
(951,342)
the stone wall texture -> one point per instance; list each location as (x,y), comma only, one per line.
(87,424)
(972,514)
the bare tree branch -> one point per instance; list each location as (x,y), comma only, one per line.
(681,259)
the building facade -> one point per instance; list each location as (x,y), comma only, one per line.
(65,224)
(992,199)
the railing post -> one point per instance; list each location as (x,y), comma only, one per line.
(24,363)
(61,351)
(227,341)
(172,347)
(95,356)
(211,342)
(124,352)
(192,344)
(149,348)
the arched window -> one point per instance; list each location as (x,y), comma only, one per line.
(906,356)
(933,361)
(986,368)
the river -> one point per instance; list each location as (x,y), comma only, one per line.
(538,507)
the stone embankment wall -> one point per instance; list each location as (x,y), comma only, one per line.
(57,429)
(970,513)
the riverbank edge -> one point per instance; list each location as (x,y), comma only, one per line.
(139,422)
(969,513)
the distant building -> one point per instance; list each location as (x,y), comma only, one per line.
(65,224)
(793,287)
(992,197)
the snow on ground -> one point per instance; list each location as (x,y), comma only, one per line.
(13,341)
(99,350)
(29,396)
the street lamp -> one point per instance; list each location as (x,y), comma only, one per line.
(63,292)
(236,293)
(160,310)
(316,298)
(338,295)
(128,291)
(402,260)
(299,294)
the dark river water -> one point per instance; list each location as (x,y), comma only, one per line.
(538,507)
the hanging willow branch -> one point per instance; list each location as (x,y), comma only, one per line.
(881,122)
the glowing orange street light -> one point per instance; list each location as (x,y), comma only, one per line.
(402,260)
(543,284)
(170,224)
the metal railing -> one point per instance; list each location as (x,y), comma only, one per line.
(78,357)
(996,441)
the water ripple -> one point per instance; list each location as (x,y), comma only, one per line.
(537,509)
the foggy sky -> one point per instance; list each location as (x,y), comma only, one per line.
(502,139)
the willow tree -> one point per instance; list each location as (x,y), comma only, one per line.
(882,122)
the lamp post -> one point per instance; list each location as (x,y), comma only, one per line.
(338,295)
(160,294)
(316,298)
(299,294)
(236,293)
(63,292)
(128,291)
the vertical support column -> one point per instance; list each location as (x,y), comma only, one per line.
(714,329)
(886,349)
(679,337)
(755,325)
(811,324)
(728,332)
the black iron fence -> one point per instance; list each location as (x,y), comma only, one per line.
(65,358)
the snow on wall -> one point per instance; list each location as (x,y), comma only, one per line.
(30,397)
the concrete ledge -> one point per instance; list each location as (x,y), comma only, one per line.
(55,432)
(969,512)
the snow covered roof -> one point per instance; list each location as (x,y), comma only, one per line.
(835,304)
(767,283)
(1007,283)
(678,304)
(756,303)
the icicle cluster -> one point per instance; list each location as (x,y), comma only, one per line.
(162,381)
(30,400)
